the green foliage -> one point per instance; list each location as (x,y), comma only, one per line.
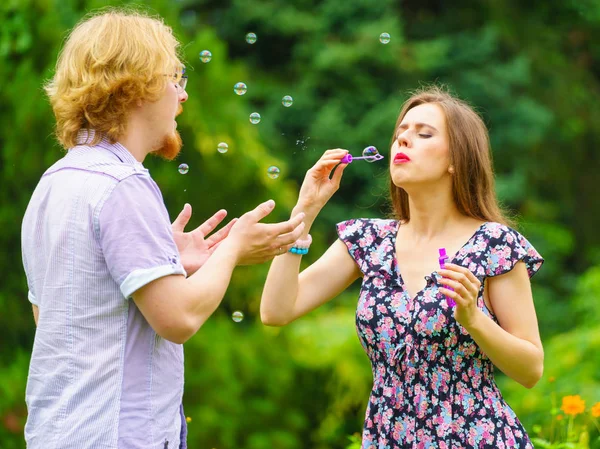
(306,386)
(571,361)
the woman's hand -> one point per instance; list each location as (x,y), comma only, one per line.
(465,292)
(317,187)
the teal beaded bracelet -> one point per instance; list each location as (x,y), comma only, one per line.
(300,251)
(301,246)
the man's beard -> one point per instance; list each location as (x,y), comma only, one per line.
(170,147)
(171,144)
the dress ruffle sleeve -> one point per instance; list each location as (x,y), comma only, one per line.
(506,248)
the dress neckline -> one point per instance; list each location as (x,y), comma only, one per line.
(396,267)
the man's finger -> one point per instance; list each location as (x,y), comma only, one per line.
(261,211)
(182,219)
(287,240)
(219,236)
(209,225)
(285,227)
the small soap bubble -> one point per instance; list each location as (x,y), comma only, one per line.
(255,118)
(302,143)
(240,88)
(188,419)
(184,168)
(384,38)
(250,38)
(370,152)
(273,172)
(222,148)
(287,101)
(237,316)
(205,56)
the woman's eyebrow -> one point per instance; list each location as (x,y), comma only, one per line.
(404,126)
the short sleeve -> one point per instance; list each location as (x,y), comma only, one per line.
(369,243)
(30,295)
(507,247)
(352,233)
(135,235)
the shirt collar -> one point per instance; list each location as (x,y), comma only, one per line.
(85,137)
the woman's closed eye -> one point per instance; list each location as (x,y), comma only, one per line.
(425,136)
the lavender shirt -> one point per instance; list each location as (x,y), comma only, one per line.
(95,231)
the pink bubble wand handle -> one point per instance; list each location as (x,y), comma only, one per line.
(349,158)
(442,261)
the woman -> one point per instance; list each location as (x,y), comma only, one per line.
(433,363)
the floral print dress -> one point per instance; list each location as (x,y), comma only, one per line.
(432,385)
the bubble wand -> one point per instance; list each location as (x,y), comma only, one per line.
(370,154)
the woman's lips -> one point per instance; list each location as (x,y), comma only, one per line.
(401,158)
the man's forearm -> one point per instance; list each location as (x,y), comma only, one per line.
(36,313)
(208,285)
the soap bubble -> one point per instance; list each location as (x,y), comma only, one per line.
(240,88)
(287,101)
(255,118)
(237,316)
(184,168)
(385,38)
(370,152)
(302,143)
(222,147)
(205,56)
(250,38)
(273,172)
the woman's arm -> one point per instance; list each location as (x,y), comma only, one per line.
(288,295)
(515,346)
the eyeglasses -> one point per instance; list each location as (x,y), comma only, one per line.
(182,81)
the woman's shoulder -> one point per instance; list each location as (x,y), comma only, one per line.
(376,226)
(494,231)
(502,247)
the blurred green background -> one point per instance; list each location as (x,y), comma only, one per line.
(530,68)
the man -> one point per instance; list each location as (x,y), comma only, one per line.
(106,270)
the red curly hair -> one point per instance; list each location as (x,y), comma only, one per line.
(110,62)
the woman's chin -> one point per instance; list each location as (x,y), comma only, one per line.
(401,181)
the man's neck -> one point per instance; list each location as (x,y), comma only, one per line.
(137,139)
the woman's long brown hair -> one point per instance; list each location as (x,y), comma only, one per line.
(473,188)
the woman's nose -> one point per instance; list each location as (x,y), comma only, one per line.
(403,140)
(183,96)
